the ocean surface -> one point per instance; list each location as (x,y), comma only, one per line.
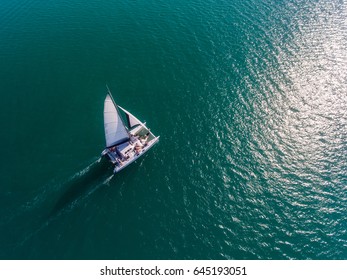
(249,98)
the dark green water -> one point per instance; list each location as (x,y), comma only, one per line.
(249,98)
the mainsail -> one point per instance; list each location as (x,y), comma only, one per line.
(115,131)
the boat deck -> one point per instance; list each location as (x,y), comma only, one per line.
(123,154)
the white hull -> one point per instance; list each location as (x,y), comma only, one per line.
(118,168)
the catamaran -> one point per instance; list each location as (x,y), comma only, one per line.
(125,141)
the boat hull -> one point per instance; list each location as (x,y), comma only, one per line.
(118,168)
(122,155)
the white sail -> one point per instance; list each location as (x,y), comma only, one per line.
(115,131)
(132,120)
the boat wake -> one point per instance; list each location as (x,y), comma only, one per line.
(81,185)
(85,170)
(69,194)
(44,194)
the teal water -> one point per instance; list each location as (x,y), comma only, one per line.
(249,98)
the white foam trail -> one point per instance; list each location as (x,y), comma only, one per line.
(97,186)
(84,196)
(68,208)
(108,180)
(49,188)
(84,170)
